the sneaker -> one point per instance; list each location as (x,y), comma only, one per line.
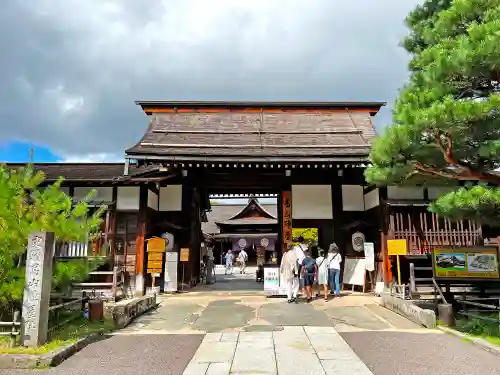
(295,300)
(290,300)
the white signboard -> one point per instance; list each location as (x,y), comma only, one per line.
(169,240)
(354,271)
(370,256)
(271,279)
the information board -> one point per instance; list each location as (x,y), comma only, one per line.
(271,279)
(369,248)
(466,263)
(184,255)
(354,271)
(156,245)
(396,247)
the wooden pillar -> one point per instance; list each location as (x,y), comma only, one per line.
(337,209)
(286,219)
(384,221)
(140,242)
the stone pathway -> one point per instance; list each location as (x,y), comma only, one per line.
(222,331)
(291,351)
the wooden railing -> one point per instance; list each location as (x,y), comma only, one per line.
(65,312)
(474,309)
(433,231)
(15,329)
(111,291)
(72,249)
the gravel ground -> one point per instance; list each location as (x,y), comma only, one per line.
(399,353)
(128,355)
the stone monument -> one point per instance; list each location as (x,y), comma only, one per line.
(36,299)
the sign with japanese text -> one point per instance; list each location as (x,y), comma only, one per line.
(396,247)
(286,201)
(465,263)
(184,256)
(156,245)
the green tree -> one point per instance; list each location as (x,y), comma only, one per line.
(25,208)
(310,235)
(447,120)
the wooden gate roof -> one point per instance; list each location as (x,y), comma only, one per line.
(235,131)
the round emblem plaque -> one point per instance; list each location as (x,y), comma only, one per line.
(242,242)
(264,242)
(358,241)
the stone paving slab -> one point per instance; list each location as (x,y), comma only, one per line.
(294,350)
(215,352)
(252,358)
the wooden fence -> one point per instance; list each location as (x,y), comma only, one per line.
(66,311)
(473,309)
(106,290)
(433,231)
(15,329)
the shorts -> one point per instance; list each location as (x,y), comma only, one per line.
(308,279)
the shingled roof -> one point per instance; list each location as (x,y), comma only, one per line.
(268,130)
(88,172)
(224,212)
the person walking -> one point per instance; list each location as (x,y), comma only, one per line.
(322,281)
(299,249)
(289,274)
(242,260)
(334,259)
(309,274)
(229,262)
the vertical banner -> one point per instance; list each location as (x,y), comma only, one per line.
(286,199)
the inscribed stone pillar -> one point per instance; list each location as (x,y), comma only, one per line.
(36,299)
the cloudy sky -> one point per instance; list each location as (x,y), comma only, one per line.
(70,70)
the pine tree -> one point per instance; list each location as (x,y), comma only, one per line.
(447,120)
(25,208)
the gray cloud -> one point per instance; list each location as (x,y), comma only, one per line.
(70,70)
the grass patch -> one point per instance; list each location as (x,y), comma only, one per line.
(474,327)
(68,334)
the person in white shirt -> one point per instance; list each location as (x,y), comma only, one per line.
(333,260)
(299,249)
(289,274)
(242,260)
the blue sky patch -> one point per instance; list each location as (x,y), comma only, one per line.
(18,152)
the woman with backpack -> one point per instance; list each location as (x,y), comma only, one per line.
(334,259)
(309,274)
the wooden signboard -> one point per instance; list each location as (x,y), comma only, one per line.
(466,264)
(184,255)
(155,257)
(397,248)
(156,245)
(155,264)
(286,201)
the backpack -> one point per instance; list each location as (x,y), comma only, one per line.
(309,265)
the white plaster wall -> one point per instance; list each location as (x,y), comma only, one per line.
(312,202)
(152,200)
(128,198)
(372,199)
(103,194)
(170,198)
(399,192)
(353,198)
